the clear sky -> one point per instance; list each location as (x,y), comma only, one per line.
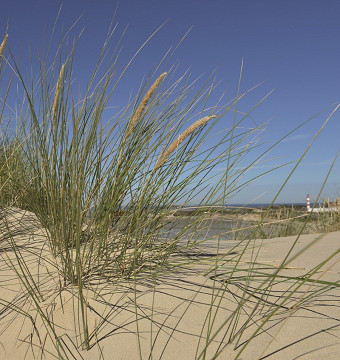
(291,45)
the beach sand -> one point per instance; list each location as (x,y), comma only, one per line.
(175,314)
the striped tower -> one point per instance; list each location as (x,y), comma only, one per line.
(308,203)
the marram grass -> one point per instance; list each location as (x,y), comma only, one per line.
(102,217)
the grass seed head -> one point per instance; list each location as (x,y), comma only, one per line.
(143,103)
(57,93)
(181,138)
(3,45)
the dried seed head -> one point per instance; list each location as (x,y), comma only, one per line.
(180,139)
(3,44)
(143,104)
(57,93)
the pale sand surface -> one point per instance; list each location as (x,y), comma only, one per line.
(173,313)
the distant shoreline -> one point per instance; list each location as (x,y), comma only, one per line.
(233,210)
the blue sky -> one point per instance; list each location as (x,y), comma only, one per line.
(291,46)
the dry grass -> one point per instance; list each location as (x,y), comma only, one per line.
(180,139)
(280,221)
(57,93)
(144,103)
(3,45)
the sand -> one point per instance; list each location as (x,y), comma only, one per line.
(174,313)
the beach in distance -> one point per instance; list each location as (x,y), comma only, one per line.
(239,221)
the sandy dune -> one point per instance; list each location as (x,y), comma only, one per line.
(175,314)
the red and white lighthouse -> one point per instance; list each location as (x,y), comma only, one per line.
(308,203)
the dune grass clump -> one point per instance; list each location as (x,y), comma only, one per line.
(103,192)
(103,189)
(290,221)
